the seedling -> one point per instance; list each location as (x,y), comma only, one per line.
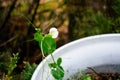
(47,45)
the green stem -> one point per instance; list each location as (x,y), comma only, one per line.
(56,63)
(53,58)
(42,48)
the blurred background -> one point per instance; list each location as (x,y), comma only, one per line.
(74,19)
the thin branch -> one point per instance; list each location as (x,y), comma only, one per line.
(93,70)
(8,14)
(30,7)
(30,29)
(8,41)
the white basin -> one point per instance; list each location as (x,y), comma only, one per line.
(82,53)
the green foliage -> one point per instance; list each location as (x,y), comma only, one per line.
(87,22)
(91,23)
(9,67)
(59,61)
(4,62)
(116,6)
(46,42)
(116,24)
(28,71)
(99,18)
(12,65)
(57,70)
(87,77)
(80,76)
(48,45)
(38,36)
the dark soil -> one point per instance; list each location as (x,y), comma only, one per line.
(102,72)
(103,76)
(107,76)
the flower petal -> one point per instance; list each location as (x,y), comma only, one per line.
(53,32)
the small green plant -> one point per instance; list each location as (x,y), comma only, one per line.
(47,44)
(28,71)
(12,65)
(81,75)
(4,61)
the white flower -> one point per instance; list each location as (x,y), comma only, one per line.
(53,32)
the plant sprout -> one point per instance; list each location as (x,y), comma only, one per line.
(47,44)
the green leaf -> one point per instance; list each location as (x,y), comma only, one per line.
(58,72)
(12,65)
(87,77)
(52,65)
(59,61)
(48,44)
(28,70)
(38,36)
